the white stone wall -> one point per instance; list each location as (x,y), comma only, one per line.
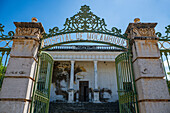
(107,78)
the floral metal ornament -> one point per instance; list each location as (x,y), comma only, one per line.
(167,36)
(164,41)
(84,21)
(5,39)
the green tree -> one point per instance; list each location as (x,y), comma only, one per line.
(2,68)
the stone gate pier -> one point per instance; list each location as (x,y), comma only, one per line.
(152,90)
(16,92)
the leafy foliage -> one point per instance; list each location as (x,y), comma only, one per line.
(2,69)
(168,73)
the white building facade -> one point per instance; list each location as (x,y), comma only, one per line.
(84,74)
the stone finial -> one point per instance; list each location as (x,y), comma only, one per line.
(136,20)
(28,29)
(141,30)
(34,19)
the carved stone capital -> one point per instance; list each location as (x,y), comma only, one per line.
(28,29)
(147,32)
(27,32)
(141,30)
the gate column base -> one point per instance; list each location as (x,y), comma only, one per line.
(71,96)
(96,96)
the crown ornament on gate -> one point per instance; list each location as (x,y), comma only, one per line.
(84,21)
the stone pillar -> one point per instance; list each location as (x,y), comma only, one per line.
(96,90)
(71,88)
(15,95)
(152,90)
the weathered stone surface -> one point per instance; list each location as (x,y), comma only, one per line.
(148,68)
(25,28)
(21,67)
(152,89)
(154,107)
(24,47)
(141,30)
(18,84)
(145,48)
(14,107)
(16,88)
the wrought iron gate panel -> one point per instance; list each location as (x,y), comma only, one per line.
(126,85)
(41,93)
(5,48)
(4,56)
(164,46)
(165,57)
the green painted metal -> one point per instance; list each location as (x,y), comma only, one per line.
(4,51)
(84,22)
(164,46)
(5,37)
(166,37)
(126,84)
(165,57)
(4,56)
(41,91)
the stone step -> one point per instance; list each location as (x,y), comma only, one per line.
(56,107)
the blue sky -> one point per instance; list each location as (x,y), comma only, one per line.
(117,13)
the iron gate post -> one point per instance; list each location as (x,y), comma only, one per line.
(153,96)
(15,95)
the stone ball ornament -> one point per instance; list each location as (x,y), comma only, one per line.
(136,20)
(34,19)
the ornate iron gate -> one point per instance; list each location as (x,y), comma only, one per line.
(5,48)
(164,46)
(126,84)
(165,55)
(96,32)
(41,91)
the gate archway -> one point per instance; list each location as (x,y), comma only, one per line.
(87,27)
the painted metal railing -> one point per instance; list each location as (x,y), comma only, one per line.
(5,48)
(126,85)
(164,46)
(4,56)
(41,91)
(165,57)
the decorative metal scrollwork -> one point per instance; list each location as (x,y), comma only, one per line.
(167,36)
(5,39)
(164,41)
(84,21)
